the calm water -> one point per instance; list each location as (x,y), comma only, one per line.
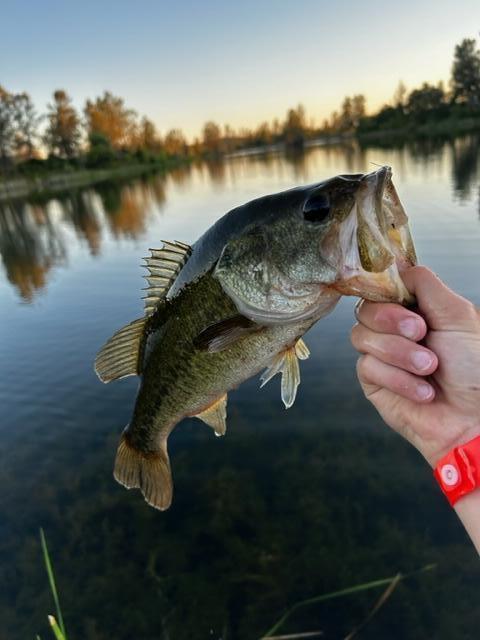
(289,504)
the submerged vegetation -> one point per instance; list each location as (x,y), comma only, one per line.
(110,134)
(58,628)
(248,537)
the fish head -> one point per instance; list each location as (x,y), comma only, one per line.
(370,244)
(304,248)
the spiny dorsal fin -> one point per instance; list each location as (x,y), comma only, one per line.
(287,363)
(216,415)
(119,356)
(163,266)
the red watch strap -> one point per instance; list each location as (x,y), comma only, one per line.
(458,473)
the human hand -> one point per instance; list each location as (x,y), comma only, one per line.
(421,370)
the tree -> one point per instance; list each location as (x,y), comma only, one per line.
(109,116)
(175,143)
(294,128)
(149,138)
(465,79)
(399,96)
(212,138)
(358,109)
(353,109)
(63,131)
(100,152)
(7,125)
(426,98)
(263,134)
(26,122)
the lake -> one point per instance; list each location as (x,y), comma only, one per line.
(289,504)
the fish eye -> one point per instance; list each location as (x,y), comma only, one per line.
(316,208)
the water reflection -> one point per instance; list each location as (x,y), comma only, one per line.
(29,245)
(32,233)
(248,535)
(465,166)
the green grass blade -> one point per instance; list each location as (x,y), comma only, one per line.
(56,629)
(374,584)
(377,606)
(53,588)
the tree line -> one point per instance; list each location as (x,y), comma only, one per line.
(109,132)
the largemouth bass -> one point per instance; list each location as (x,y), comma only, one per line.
(239,301)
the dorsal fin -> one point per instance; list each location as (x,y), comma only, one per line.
(163,266)
(119,356)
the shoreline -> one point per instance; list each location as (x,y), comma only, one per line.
(18,187)
(24,187)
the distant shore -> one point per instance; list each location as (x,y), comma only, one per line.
(15,187)
(446,128)
(56,181)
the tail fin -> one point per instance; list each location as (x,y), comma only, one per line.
(149,472)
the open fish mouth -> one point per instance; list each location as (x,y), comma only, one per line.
(376,243)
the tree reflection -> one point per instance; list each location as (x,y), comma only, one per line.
(31,239)
(29,245)
(181,174)
(216,170)
(79,209)
(31,233)
(465,154)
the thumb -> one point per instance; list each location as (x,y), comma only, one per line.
(443,309)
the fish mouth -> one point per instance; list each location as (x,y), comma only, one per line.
(376,243)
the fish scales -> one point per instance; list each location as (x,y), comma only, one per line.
(179,379)
(241,299)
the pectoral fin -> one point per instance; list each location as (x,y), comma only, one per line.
(215,415)
(286,362)
(223,334)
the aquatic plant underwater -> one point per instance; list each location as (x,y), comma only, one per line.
(59,632)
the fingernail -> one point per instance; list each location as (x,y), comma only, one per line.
(421,360)
(409,328)
(424,391)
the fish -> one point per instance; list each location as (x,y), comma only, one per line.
(238,302)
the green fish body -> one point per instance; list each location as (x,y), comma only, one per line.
(240,300)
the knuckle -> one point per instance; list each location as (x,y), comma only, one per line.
(421,271)
(383,315)
(355,335)
(363,364)
(471,313)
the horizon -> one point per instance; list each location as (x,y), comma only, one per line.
(163,59)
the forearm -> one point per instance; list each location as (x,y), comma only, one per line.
(468,510)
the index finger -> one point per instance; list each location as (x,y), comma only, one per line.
(387,317)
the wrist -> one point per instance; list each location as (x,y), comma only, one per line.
(433,454)
(458,472)
(468,510)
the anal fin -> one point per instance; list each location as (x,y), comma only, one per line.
(149,472)
(286,363)
(216,415)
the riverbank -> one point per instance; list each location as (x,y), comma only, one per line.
(51,183)
(445,129)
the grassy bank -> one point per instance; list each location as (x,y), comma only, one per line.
(21,186)
(449,127)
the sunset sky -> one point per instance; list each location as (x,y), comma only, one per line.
(185,62)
